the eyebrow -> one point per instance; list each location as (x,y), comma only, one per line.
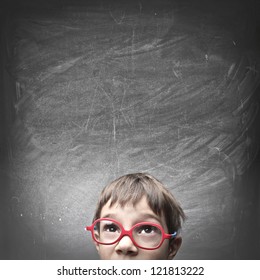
(140,219)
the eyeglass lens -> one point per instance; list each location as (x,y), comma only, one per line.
(145,235)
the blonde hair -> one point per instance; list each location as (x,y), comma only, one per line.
(131,188)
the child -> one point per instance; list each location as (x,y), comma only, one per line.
(137,218)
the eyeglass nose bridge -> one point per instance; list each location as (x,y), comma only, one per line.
(127,233)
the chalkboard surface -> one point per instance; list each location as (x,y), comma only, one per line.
(99,90)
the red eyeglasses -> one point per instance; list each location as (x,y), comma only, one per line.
(145,235)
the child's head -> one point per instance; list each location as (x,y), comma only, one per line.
(130,200)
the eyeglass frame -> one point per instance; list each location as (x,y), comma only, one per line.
(129,233)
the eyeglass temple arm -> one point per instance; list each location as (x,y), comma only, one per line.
(90,228)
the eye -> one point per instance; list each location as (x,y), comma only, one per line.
(110,228)
(147,229)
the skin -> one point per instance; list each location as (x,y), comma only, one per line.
(124,249)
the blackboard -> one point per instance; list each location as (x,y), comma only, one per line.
(92,91)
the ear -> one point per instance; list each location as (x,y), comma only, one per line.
(174,246)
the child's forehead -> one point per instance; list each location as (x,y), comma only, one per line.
(141,203)
(139,211)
